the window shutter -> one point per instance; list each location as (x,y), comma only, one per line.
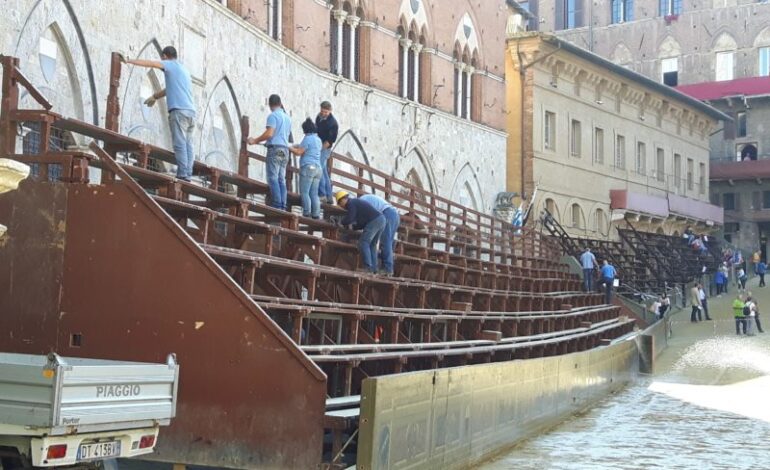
(663,7)
(534,22)
(616,11)
(629,10)
(729,130)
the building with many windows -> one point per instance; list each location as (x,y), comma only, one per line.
(715,50)
(604,145)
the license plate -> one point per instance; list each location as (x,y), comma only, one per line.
(98,450)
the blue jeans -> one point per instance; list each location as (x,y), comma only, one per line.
(608,289)
(388,239)
(277,159)
(309,179)
(367,244)
(588,279)
(182,124)
(325,188)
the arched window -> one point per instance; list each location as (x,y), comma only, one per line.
(601,222)
(345,42)
(577,216)
(724,60)
(466,60)
(552,208)
(410,46)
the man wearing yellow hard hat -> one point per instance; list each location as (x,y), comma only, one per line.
(362,216)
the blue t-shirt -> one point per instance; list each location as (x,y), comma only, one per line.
(376,201)
(178,86)
(608,272)
(281,124)
(588,260)
(312,145)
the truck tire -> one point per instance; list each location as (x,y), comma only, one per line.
(12,460)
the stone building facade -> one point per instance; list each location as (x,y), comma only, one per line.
(713,44)
(604,144)
(423,99)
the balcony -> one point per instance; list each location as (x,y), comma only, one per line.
(670,206)
(731,169)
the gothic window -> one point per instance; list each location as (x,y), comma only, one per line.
(345,42)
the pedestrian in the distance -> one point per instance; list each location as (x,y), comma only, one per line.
(720,280)
(740,320)
(704,303)
(761,271)
(695,314)
(608,279)
(749,313)
(588,261)
(741,278)
(756,313)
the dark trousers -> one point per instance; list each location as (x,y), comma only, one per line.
(588,279)
(762,280)
(720,288)
(607,290)
(705,304)
(759,325)
(695,311)
(740,322)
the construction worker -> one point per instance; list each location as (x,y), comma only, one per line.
(181,110)
(388,239)
(362,216)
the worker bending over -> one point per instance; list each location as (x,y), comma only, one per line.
(362,216)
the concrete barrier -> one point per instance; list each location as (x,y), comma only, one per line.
(651,343)
(454,418)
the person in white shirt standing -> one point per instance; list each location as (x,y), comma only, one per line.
(703,301)
(588,262)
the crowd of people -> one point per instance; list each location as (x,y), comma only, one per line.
(746,312)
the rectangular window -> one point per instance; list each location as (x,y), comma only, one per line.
(620,152)
(764,61)
(765,199)
(756,200)
(622,11)
(660,165)
(670,7)
(641,158)
(728,202)
(740,124)
(690,174)
(677,170)
(669,71)
(702,179)
(725,65)
(599,145)
(549,131)
(569,14)
(575,139)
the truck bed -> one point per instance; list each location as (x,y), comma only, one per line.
(54,395)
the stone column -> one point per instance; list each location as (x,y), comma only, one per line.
(459,67)
(468,90)
(405,45)
(339,15)
(353,22)
(417,48)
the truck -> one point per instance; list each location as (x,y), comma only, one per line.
(76,413)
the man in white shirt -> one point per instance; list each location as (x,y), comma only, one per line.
(588,262)
(703,301)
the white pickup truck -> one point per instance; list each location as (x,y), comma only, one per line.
(59,412)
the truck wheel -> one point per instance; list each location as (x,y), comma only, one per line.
(12,460)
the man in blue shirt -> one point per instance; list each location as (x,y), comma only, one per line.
(761,271)
(388,238)
(588,262)
(276,138)
(362,216)
(309,170)
(181,110)
(608,278)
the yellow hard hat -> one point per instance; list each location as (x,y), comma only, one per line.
(339,195)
